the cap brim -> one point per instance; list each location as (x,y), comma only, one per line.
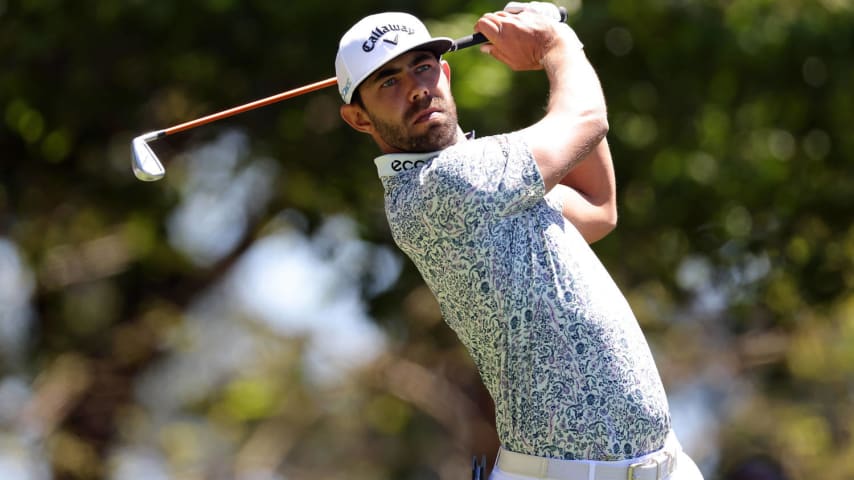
(438,45)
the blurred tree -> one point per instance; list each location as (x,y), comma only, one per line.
(127,352)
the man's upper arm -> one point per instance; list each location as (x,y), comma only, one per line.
(561,141)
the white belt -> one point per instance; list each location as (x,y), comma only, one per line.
(654,466)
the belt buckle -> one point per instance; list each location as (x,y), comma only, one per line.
(658,462)
(648,462)
(671,463)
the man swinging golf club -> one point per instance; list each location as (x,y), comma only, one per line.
(499,228)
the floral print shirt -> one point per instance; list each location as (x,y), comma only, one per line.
(554,339)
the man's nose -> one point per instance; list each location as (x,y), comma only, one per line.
(418,89)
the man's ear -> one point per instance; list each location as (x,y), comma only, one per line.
(446,68)
(356,117)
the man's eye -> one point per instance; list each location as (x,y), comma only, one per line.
(388,83)
(423,68)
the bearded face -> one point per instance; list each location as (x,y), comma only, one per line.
(411,136)
(406,105)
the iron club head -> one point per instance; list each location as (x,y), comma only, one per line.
(146,166)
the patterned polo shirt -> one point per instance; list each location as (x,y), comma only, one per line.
(554,339)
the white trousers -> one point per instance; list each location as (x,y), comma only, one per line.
(685,469)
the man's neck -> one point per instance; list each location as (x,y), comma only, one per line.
(393,163)
(386,149)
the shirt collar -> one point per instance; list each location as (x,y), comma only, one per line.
(392,164)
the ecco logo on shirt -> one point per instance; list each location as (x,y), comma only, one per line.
(404,165)
(378,32)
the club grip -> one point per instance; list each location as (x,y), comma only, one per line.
(478,38)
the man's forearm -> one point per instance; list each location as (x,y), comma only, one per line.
(574,87)
(576,118)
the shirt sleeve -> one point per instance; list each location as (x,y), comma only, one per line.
(491,176)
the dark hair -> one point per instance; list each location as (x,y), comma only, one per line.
(357,99)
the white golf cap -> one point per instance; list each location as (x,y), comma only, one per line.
(375,40)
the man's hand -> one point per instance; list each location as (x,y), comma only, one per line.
(545,9)
(524,33)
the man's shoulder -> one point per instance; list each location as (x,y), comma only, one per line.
(504,145)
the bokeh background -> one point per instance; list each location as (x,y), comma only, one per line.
(249,317)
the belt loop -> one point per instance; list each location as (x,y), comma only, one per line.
(591,471)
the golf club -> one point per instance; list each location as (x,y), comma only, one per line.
(148,168)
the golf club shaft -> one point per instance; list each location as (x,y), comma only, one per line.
(465,42)
(459,44)
(250,106)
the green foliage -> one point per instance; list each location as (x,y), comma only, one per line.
(730,129)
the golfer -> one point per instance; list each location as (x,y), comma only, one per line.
(499,229)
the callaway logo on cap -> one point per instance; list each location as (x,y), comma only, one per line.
(375,40)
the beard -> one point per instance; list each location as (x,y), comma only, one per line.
(437,136)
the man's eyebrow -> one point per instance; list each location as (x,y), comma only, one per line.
(389,71)
(385,72)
